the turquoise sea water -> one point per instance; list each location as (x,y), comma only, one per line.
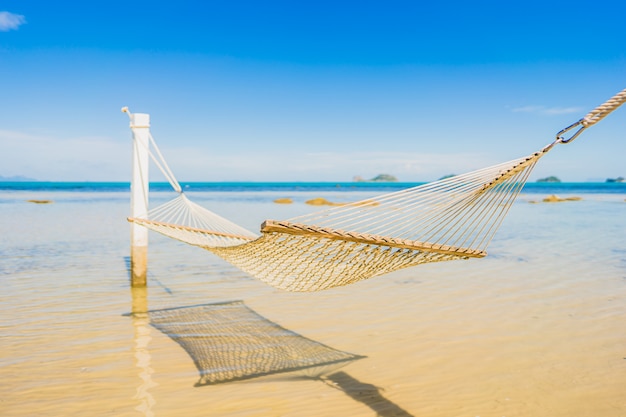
(534,329)
(538,187)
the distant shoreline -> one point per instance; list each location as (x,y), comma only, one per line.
(325,186)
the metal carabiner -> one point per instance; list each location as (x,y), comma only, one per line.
(561,139)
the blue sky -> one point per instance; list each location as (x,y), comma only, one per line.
(309,91)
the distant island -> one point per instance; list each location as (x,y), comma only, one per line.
(549,179)
(618,179)
(445,177)
(377,178)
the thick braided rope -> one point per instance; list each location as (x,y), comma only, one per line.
(603,110)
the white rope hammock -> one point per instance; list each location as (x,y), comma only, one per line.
(454,218)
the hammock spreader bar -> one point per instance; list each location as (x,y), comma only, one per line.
(272,226)
(154,223)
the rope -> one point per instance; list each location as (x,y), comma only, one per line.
(603,110)
(163,167)
(158,158)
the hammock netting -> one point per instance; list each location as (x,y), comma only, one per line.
(453,218)
(231,342)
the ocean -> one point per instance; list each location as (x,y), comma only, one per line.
(534,329)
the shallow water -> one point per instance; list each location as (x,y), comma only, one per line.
(534,329)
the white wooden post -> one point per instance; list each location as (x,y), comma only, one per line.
(140,126)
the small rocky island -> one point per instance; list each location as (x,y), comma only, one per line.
(445,177)
(16,178)
(551,178)
(377,178)
(618,179)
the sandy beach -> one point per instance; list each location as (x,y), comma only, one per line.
(533,329)
(266,113)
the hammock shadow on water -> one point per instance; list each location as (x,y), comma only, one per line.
(229,342)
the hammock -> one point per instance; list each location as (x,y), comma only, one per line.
(453,218)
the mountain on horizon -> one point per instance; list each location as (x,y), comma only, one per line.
(16,178)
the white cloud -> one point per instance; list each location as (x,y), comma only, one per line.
(526,109)
(10,21)
(200,164)
(51,158)
(550,111)
(105,158)
(563,110)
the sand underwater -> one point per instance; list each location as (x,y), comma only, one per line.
(535,329)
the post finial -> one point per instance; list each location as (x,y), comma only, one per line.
(125,110)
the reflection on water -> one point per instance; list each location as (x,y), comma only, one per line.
(142,354)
